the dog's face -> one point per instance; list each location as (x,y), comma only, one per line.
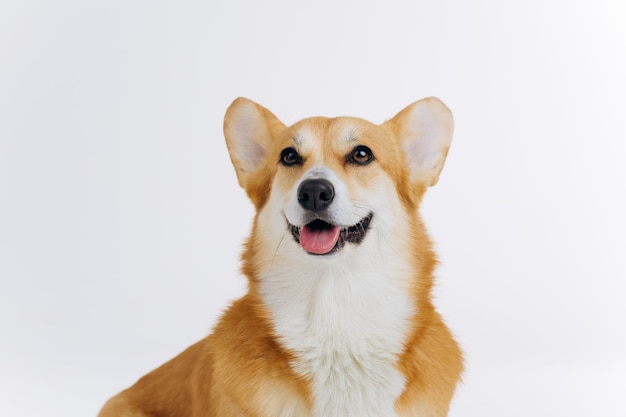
(324,187)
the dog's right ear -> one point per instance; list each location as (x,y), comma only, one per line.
(249,129)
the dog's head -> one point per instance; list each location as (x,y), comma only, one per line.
(323,186)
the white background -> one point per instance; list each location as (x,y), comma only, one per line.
(121,220)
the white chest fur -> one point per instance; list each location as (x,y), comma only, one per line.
(347,327)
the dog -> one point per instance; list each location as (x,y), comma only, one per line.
(338,320)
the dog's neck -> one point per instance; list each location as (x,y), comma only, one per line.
(346,320)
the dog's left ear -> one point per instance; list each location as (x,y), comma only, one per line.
(424,129)
(249,129)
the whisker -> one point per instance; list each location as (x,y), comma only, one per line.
(389,244)
(274,256)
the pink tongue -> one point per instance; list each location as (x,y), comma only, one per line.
(319,241)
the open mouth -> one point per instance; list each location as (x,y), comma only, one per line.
(321,238)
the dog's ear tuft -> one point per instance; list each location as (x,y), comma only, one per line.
(249,129)
(424,129)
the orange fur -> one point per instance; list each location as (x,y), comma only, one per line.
(242,368)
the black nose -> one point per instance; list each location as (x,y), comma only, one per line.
(315,195)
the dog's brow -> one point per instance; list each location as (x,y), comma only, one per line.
(350,136)
(296,140)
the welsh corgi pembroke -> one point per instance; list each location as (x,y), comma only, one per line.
(338,320)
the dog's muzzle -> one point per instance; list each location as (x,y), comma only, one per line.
(320,236)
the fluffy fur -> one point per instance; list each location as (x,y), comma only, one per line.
(351,332)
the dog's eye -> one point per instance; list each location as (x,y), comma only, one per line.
(289,157)
(361,155)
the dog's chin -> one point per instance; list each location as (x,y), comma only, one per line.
(320,237)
